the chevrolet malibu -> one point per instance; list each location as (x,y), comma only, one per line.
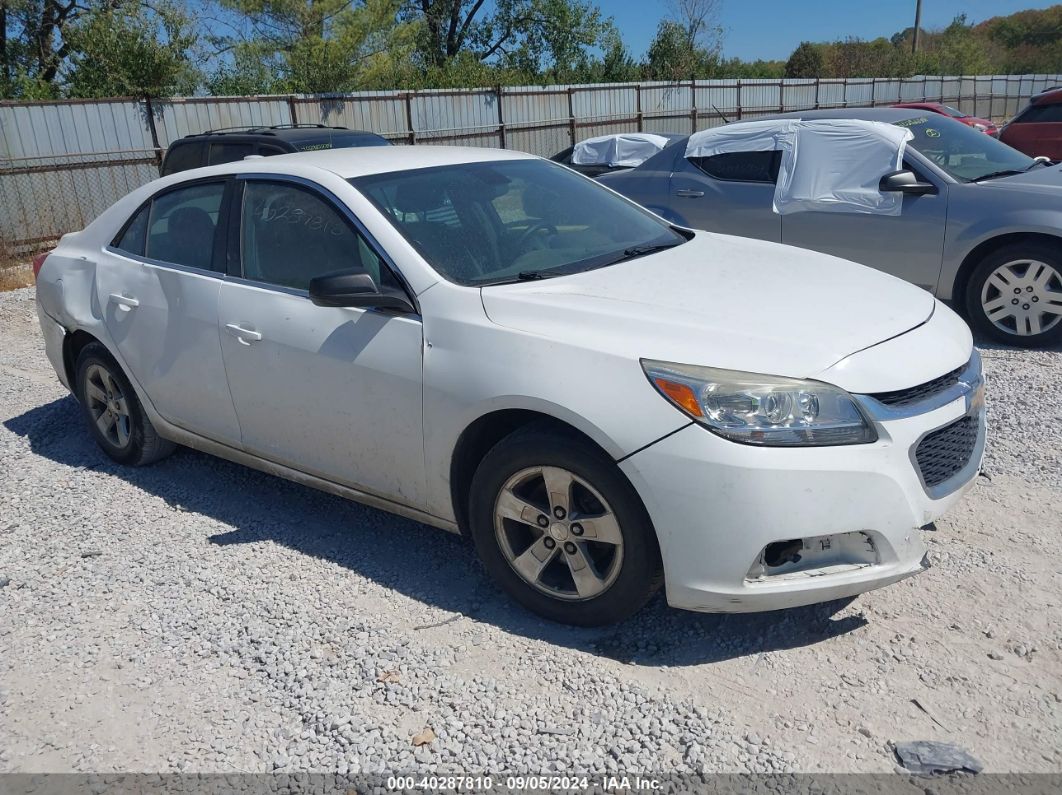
(492,344)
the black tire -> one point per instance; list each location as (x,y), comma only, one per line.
(976,288)
(140,443)
(635,578)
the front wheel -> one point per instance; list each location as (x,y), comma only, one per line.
(560,528)
(1015,295)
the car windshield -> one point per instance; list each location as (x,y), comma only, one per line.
(961,151)
(955,113)
(511,220)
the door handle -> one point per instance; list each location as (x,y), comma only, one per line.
(245,335)
(689,193)
(126,302)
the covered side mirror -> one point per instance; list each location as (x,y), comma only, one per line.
(355,288)
(905,182)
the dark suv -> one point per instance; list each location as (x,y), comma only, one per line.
(236,143)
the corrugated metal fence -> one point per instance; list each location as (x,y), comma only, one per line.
(62,163)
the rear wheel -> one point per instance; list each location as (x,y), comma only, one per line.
(114,414)
(560,528)
(1015,295)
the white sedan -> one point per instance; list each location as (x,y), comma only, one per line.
(492,344)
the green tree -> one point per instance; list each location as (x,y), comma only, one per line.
(312,46)
(128,50)
(246,74)
(671,56)
(958,50)
(806,61)
(535,37)
(33,47)
(737,68)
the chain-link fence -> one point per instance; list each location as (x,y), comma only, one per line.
(64,162)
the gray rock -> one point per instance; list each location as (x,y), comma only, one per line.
(928,756)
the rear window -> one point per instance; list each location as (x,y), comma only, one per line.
(226,152)
(340,140)
(183,156)
(1041,114)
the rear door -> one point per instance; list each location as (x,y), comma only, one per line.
(334,392)
(158,286)
(731,193)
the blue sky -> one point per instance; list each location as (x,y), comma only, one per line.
(772,28)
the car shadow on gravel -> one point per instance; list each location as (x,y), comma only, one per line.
(436,568)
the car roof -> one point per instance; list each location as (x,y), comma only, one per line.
(293,134)
(887,115)
(1049,96)
(364,161)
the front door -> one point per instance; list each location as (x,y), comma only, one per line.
(333,392)
(158,287)
(909,245)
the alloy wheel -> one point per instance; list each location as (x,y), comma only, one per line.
(108,405)
(1023,297)
(558,533)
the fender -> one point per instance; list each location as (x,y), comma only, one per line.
(959,243)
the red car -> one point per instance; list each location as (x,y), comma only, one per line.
(984,125)
(1037,130)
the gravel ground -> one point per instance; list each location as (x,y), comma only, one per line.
(200,616)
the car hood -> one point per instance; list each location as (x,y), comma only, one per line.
(720,301)
(1045,180)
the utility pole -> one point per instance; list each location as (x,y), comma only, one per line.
(918,24)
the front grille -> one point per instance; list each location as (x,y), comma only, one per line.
(946,451)
(915,394)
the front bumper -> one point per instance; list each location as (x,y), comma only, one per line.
(717,505)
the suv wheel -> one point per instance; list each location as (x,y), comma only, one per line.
(1015,295)
(115,416)
(561,529)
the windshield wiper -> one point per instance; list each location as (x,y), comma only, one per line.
(1009,172)
(647,248)
(522,276)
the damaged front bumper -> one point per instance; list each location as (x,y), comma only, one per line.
(745,528)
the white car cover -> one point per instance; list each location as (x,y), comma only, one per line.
(621,150)
(828,165)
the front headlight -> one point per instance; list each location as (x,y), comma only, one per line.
(761,409)
(981,127)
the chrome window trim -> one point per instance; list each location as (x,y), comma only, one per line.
(224,277)
(969,381)
(158,263)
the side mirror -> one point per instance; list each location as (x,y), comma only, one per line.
(355,288)
(905,182)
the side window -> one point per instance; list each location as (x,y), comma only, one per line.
(290,234)
(1041,114)
(741,166)
(225,152)
(267,150)
(183,156)
(134,237)
(182,225)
